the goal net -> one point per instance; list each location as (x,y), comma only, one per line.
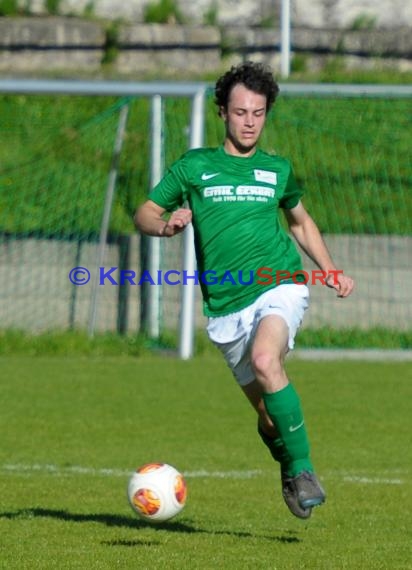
(73,169)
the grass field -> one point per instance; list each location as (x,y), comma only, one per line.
(73,429)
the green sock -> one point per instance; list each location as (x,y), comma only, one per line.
(285,412)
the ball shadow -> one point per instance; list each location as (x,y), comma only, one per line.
(122,521)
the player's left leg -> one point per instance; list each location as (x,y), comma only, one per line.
(281,401)
(235,335)
(274,443)
(282,404)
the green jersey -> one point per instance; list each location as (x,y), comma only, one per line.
(241,248)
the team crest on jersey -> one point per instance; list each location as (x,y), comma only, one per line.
(266,176)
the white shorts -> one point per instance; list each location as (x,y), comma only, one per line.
(233,333)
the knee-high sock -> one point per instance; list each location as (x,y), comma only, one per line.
(285,412)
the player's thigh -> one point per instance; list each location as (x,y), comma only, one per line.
(271,340)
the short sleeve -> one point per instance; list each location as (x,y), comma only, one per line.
(171,192)
(293,193)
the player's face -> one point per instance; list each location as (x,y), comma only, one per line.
(244,118)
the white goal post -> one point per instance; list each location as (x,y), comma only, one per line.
(156,91)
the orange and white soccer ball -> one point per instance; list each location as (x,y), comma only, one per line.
(157,492)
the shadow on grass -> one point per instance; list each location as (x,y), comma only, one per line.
(132,522)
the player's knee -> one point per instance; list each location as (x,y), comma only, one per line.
(265,364)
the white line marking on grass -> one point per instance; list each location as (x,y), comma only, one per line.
(79,470)
(372,355)
(21,468)
(55,470)
(373,480)
(223,474)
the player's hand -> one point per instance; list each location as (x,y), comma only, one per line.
(343,284)
(177,222)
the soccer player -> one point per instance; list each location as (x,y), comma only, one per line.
(234,193)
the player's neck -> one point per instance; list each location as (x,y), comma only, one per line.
(235,150)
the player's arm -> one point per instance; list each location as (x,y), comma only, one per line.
(149,219)
(308,236)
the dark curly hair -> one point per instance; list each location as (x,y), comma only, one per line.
(255,76)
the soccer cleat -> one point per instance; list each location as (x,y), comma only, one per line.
(291,498)
(306,489)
